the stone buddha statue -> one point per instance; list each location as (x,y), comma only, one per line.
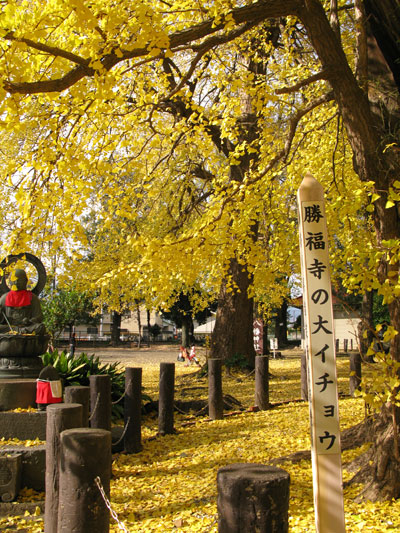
(20,310)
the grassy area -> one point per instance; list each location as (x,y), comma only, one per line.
(171,484)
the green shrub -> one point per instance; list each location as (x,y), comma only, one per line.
(237,361)
(76,371)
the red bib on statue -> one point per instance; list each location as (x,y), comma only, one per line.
(48,391)
(18,298)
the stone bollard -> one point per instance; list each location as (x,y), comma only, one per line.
(85,456)
(215,397)
(262,382)
(252,498)
(133,410)
(60,416)
(100,402)
(166,399)
(79,394)
(355,372)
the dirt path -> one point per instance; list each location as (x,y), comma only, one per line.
(136,357)
(156,354)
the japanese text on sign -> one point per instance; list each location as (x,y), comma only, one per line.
(319,309)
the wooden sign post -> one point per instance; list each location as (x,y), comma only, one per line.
(321,359)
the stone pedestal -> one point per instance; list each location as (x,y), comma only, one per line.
(19,355)
(20,367)
(16,393)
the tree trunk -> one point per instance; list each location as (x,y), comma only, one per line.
(378,468)
(148,327)
(139,325)
(115,328)
(366,325)
(376,159)
(281,325)
(233,331)
(187,328)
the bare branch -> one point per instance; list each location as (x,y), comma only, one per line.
(206,47)
(322,75)
(293,123)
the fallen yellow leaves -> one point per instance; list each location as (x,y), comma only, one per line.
(17,442)
(171,485)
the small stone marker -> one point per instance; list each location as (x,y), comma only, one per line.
(10,475)
(252,498)
(48,387)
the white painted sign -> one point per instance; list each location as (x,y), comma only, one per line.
(273,344)
(321,358)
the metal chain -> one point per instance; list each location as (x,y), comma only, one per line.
(121,525)
(123,433)
(95,407)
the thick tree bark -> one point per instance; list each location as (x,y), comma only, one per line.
(373,161)
(115,328)
(281,325)
(139,325)
(187,329)
(233,331)
(366,325)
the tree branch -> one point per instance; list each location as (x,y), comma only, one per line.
(252,14)
(334,19)
(293,122)
(51,50)
(206,46)
(361,43)
(322,75)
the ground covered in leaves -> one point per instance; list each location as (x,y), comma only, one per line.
(171,484)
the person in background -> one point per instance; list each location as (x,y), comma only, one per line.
(192,356)
(183,355)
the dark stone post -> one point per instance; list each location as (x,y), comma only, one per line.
(262,382)
(79,394)
(100,402)
(304,377)
(252,498)
(166,398)
(85,455)
(215,398)
(355,372)
(133,410)
(60,416)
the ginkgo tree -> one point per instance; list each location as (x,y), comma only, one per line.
(187,129)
